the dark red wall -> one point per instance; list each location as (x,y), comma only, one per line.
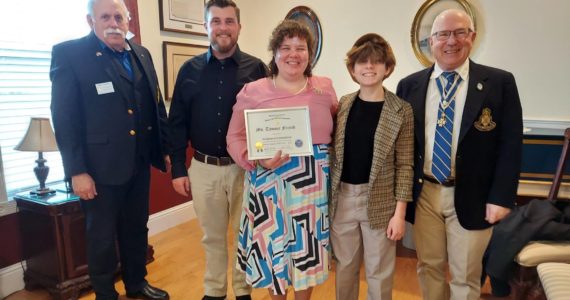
(10,246)
(162,195)
(134,25)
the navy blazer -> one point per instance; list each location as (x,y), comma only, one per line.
(93,127)
(487,163)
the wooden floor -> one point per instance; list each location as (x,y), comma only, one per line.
(179,266)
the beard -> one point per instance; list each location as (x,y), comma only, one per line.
(226,46)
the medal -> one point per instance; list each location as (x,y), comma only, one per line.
(447,98)
(442,120)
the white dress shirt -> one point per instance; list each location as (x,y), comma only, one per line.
(433,98)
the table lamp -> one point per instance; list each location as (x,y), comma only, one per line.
(39,138)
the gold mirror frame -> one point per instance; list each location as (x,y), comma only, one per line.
(420,21)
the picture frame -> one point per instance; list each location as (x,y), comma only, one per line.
(269,130)
(174,56)
(308,17)
(184,16)
(421,26)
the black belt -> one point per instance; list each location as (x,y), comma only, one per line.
(447,183)
(212,160)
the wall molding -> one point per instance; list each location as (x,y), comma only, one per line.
(547,124)
(12,277)
(171,217)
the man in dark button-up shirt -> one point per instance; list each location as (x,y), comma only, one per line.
(204,95)
(202,102)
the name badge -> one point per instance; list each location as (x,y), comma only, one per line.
(104,88)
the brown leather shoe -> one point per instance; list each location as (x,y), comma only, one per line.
(149,293)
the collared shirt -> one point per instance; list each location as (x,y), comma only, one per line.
(433,98)
(123,56)
(204,95)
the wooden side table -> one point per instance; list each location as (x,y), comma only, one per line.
(53,244)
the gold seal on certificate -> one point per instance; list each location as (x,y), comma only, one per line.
(273,129)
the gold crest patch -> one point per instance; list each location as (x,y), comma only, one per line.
(485,122)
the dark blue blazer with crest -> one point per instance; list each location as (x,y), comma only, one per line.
(487,163)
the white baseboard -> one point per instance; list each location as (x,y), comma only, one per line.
(171,217)
(12,277)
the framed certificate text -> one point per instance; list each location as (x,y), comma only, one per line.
(270,130)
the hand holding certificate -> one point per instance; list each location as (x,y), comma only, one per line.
(270,130)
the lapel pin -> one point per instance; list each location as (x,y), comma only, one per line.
(98,53)
(479,86)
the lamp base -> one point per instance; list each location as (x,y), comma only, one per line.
(42,192)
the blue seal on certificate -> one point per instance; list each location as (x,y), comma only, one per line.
(298,143)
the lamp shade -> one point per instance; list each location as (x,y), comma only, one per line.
(39,137)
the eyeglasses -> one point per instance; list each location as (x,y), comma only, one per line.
(460,34)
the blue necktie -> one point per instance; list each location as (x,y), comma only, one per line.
(441,161)
(124,59)
(126,62)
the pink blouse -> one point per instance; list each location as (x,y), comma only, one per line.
(319,96)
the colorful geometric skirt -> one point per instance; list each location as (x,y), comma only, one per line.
(284,230)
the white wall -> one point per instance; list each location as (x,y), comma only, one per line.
(530,38)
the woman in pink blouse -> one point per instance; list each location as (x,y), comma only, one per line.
(284,232)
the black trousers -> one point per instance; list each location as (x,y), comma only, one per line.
(119,213)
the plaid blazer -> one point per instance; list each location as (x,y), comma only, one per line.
(391,174)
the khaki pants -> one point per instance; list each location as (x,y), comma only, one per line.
(352,238)
(440,239)
(217,192)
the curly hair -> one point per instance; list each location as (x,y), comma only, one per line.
(289,29)
(373,47)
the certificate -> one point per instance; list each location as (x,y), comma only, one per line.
(270,130)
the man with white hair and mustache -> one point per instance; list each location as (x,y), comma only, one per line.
(204,95)
(110,124)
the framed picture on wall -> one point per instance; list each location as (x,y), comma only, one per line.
(174,56)
(185,16)
(421,26)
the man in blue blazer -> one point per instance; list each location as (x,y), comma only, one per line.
(110,123)
(468,128)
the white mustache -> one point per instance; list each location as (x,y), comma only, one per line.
(113,31)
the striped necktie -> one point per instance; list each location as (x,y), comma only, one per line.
(441,161)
